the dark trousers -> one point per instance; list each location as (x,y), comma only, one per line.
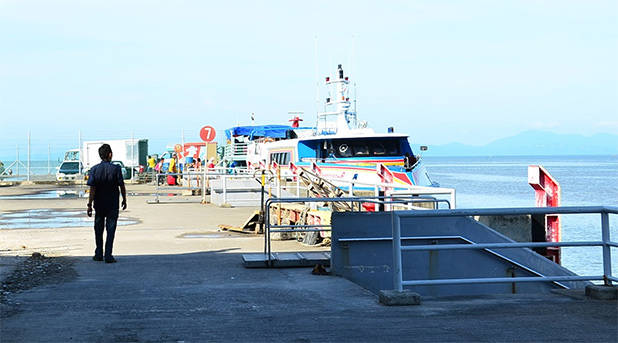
(105,220)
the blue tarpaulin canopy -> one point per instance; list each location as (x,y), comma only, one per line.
(273,131)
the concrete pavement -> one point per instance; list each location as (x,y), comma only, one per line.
(166,288)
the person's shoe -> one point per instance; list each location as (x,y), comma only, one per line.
(110,260)
(97,258)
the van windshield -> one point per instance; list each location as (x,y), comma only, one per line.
(69,167)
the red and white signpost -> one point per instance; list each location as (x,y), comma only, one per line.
(547,194)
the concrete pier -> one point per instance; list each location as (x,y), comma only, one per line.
(178,279)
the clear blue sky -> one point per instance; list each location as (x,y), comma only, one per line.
(442,71)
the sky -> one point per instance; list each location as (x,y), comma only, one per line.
(440,71)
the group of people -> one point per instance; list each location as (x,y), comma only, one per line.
(174,167)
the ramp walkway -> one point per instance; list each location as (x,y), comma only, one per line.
(447,253)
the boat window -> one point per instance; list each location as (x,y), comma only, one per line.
(281,158)
(366,147)
(344,150)
(391,148)
(361,149)
(379,149)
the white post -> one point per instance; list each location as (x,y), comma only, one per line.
(17,159)
(204,186)
(607,252)
(132,155)
(157,190)
(387,207)
(79,145)
(28,177)
(317,78)
(48,159)
(224,189)
(80,159)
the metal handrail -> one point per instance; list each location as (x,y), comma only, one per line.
(606,243)
(384,199)
(515,263)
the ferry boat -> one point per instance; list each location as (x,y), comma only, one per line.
(341,147)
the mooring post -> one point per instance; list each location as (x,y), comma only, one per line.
(397,274)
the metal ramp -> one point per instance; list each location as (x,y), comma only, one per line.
(362,251)
(286,259)
(320,187)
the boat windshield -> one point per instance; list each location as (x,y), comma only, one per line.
(377,147)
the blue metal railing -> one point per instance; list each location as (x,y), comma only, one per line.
(605,242)
(385,200)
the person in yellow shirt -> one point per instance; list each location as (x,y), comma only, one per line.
(173,169)
(151,164)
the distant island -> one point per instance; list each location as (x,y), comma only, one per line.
(532,143)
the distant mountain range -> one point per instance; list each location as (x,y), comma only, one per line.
(533,143)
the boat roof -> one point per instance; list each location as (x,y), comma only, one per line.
(354,135)
(273,131)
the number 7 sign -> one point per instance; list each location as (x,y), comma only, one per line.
(207,133)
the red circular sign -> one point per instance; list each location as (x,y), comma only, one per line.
(178,148)
(207,133)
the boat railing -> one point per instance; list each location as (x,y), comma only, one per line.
(236,151)
(395,189)
(402,190)
(606,243)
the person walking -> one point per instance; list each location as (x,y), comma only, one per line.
(105,179)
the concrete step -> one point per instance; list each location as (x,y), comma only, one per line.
(287,259)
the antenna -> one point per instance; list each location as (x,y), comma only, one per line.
(317,80)
(352,75)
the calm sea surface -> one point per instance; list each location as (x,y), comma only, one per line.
(483,182)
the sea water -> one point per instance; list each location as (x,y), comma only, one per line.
(502,181)
(36,167)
